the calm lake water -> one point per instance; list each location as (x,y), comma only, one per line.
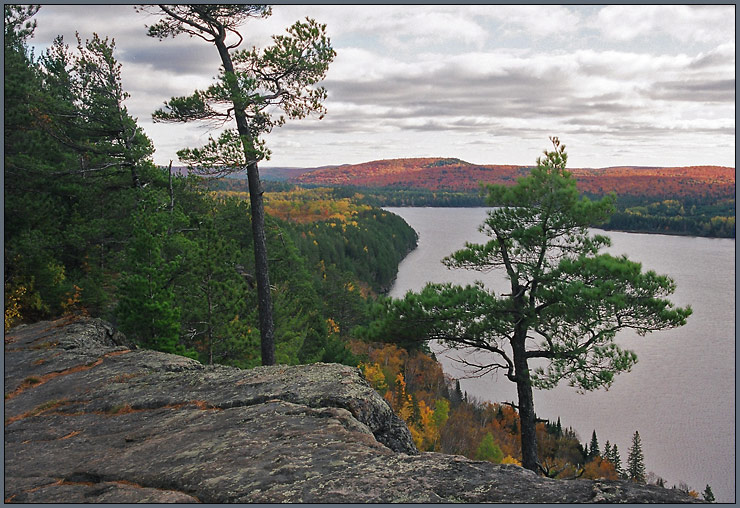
(681,394)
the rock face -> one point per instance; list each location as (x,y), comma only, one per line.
(90,419)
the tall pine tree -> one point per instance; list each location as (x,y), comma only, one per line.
(593,450)
(565,304)
(635,460)
(257,90)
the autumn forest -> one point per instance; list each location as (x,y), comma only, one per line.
(93,227)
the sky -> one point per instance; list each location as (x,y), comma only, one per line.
(489,84)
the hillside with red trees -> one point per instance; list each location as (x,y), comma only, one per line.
(437,174)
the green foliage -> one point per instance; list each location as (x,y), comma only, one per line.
(708,495)
(489,450)
(688,216)
(147,311)
(593,450)
(253,84)
(573,299)
(232,16)
(91,224)
(441,412)
(635,460)
(370,246)
(73,161)
(257,89)
(616,461)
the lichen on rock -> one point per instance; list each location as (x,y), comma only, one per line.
(89,418)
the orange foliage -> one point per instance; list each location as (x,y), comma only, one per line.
(600,468)
(417,390)
(452,174)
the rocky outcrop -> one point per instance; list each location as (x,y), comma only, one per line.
(90,419)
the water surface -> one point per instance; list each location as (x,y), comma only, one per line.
(681,394)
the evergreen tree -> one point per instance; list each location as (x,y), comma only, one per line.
(148,311)
(616,460)
(594,447)
(708,495)
(562,291)
(607,451)
(250,88)
(635,460)
(71,149)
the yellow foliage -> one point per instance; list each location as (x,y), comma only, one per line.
(57,273)
(374,376)
(406,409)
(305,205)
(400,384)
(510,460)
(333,326)
(13,306)
(417,436)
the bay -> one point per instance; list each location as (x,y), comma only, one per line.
(681,394)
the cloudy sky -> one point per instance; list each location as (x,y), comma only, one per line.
(627,84)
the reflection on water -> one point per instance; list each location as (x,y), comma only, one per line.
(681,394)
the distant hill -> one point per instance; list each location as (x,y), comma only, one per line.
(457,175)
(278,174)
(281,174)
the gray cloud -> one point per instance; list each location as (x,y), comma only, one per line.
(167,56)
(718,90)
(388,94)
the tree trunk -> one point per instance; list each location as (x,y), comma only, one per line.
(267,332)
(264,298)
(172,194)
(526,404)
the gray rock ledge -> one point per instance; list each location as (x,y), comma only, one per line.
(90,419)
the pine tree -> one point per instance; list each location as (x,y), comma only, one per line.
(560,287)
(635,460)
(607,451)
(258,90)
(708,495)
(617,461)
(594,447)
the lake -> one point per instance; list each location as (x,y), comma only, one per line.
(681,394)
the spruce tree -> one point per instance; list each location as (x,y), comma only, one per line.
(616,460)
(708,495)
(635,460)
(594,447)
(607,451)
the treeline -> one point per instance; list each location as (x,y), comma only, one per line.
(697,217)
(92,226)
